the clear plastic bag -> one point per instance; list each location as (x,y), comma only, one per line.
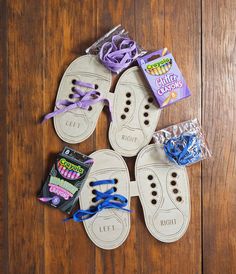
(184,143)
(116,50)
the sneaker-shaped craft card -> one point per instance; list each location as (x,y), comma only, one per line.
(164,77)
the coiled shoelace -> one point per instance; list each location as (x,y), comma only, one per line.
(184,149)
(107,200)
(119,53)
(83,99)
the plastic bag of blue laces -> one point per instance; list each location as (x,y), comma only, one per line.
(184,143)
(116,50)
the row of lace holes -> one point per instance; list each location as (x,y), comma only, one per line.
(175,190)
(95,87)
(115,188)
(154,192)
(128,103)
(145,114)
(94,191)
(74,83)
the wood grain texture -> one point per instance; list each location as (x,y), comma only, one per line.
(38,41)
(3,140)
(219,118)
(25,136)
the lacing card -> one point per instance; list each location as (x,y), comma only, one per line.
(65,180)
(164,77)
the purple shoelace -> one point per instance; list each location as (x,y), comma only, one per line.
(84,99)
(119,53)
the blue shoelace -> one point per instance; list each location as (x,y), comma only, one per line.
(184,149)
(108,200)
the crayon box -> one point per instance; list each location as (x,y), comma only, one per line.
(164,77)
(65,180)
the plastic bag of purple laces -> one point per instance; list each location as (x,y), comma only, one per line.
(116,50)
(183,143)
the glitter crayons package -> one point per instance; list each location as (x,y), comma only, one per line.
(65,180)
(164,77)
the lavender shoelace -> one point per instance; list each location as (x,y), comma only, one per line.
(119,53)
(84,100)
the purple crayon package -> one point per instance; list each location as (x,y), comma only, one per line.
(164,77)
(65,180)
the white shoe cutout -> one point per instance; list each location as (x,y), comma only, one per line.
(109,228)
(78,124)
(135,115)
(163,189)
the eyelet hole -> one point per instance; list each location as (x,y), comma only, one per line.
(98,93)
(174,174)
(91,183)
(115,189)
(116,181)
(153,185)
(126,110)
(150,100)
(146,107)
(175,190)
(128,102)
(123,116)
(146,122)
(154,201)
(179,199)
(128,94)
(94,192)
(73,81)
(94,200)
(90,108)
(145,114)
(150,177)
(95,86)
(154,193)
(173,183)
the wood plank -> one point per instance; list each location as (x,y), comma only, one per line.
(219,119)
(24,136)
(171,24)
(3,143)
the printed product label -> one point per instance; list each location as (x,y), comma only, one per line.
(66,179)
(164,78)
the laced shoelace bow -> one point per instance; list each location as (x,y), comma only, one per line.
(108,200)
(82,99)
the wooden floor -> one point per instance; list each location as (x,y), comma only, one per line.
(38,39)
